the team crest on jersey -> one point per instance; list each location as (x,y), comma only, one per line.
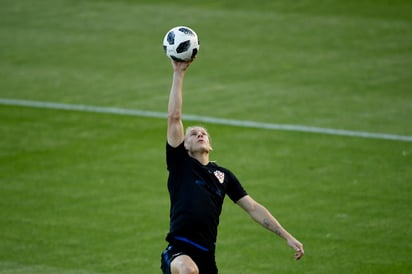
(220,176)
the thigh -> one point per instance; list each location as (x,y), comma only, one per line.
(183,264)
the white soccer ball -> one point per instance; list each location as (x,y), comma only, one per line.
(181,44)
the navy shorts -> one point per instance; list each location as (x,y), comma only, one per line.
(203,259)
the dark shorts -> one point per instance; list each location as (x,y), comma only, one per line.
(204,260)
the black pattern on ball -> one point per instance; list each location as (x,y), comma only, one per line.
(194,52)
(171,38)
(184,46)
(176,59)
(186,31)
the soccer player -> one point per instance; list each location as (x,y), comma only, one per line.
(197,188)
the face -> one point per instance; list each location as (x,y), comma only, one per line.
(197,140)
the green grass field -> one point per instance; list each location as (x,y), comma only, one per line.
(84,192)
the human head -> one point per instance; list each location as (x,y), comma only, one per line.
(197,139)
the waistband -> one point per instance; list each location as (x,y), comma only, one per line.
(188,241)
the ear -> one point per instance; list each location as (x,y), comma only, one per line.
(186,145)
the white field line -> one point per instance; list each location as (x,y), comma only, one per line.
(205,119)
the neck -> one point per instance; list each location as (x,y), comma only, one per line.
(202,157)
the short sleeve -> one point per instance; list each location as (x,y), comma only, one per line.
(235,190)
(175,155)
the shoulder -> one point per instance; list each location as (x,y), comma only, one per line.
(234,188)
(222,169)
(175,155)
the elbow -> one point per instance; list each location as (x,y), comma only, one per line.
(252,208)
(174,116)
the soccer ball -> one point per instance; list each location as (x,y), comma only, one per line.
(181,44)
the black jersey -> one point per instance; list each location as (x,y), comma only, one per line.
(196,193)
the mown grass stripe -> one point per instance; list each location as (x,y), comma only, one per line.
(205,119)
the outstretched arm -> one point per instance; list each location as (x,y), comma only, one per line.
(175,131)
(261,215)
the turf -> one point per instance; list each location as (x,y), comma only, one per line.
(85,192)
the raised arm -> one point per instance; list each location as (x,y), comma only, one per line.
(175,131)
(261,215)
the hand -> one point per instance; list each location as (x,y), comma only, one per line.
(297,246)
(181,66)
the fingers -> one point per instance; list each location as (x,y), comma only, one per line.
(181,66)
(299,252)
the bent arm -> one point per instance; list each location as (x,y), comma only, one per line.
(175,131)
(262,216)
